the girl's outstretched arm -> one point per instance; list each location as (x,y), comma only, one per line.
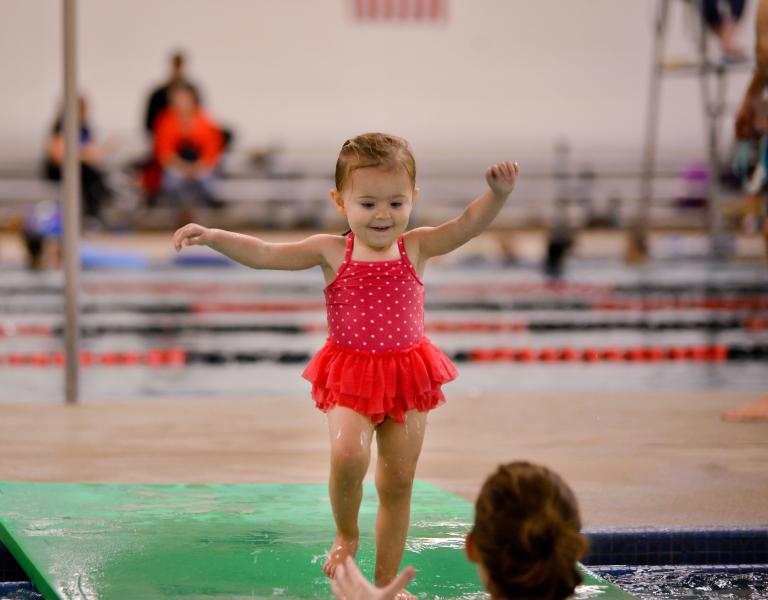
(434,241)
(254,252)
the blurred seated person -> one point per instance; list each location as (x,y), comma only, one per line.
(41,229)
(723,17)
(93,187)
(159,97)
(149,171)
(188,147)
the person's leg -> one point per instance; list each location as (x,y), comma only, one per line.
(399,448)
(727,34)
(351,435)
(737,9)
(174,184)
(710,11)
(756,411)
(94,190)
(34,241)
(724,24)
(181,192)
(765,229)
(207,190)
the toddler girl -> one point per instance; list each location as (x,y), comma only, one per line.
(376,373)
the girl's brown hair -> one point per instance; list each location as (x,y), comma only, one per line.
(374,150)
(527,531)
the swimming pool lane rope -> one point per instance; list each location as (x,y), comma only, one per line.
(179,357)
(711,325)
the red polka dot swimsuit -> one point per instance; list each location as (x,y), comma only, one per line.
(376,359)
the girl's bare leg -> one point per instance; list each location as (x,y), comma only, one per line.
(399,448)
(351,435)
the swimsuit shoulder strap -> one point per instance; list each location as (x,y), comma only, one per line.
(345,262)
(404,258)
(350,245)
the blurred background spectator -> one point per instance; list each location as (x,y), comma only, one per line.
(150,171)
(159,98)
(188,146)
(93,186)
(723,17)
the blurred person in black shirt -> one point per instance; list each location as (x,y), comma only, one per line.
(94,190)
(159,98)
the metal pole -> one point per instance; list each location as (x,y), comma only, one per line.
(714,105)
(652,120)
(71,205)
(718,242)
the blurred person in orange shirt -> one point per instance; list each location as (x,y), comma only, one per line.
(188,147)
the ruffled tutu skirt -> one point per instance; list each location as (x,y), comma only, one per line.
(379,385)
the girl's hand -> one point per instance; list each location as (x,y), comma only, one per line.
(501,177)
(192,234)
(350,584)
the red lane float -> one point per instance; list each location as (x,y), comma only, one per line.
(178,357)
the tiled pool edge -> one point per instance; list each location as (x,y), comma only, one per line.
(10,570)
(636,547)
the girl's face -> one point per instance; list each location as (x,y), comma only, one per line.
(377,203)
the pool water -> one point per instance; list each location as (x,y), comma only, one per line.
(645,583)
(683,583)
(22,590)
(124,299)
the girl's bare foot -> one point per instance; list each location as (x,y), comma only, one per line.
(342,547)
(405,595)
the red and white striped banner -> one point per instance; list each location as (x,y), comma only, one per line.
(401,10)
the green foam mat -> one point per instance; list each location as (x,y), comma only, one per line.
(100,541)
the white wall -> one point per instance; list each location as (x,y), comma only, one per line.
(499,75)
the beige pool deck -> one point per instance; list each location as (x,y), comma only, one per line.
(634,460)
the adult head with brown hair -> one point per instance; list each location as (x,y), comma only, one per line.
(526,537)
(525,540)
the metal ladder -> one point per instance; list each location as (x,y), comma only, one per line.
(712,77)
